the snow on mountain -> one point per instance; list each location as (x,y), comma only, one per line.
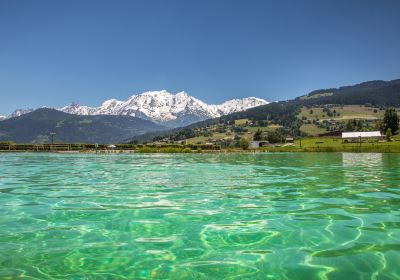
(236,105)
(3,118)
(20,112)
(77,109)
(160,107)
(166,108)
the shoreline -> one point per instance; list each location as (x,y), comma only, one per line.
(315,145)
(259,151)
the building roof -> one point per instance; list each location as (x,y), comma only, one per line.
(361,134)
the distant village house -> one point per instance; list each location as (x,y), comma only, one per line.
(289,140)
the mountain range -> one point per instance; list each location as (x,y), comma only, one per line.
(161,107)
(146,116)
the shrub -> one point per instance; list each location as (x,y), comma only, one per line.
(389,134)
(244,143)
(147,150)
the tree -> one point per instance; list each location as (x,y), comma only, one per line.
(275,137)
(258,135)
(350,125)
(378,125)
(388,134)
(391,120)
(244,143)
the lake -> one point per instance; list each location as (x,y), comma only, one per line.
(200,216)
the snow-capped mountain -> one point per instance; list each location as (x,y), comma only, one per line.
(165,108)
(161,107)
(3,118)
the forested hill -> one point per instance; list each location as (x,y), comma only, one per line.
(372,93)
(35,127)
(375,93)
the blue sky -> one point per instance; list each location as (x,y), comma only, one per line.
(56,52)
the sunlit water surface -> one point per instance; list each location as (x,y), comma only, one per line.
(239,216)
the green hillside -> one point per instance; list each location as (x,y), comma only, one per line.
(357,107)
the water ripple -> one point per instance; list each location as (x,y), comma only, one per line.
(238,216)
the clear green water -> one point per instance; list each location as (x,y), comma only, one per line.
(263,216)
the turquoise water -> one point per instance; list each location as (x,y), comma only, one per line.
(239,216)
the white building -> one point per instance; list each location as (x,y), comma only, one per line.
(361,134)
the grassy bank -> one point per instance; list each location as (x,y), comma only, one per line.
(348,149)
(312,144)
(335,144)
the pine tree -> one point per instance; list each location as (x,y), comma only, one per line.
(391,120)
(258,135)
